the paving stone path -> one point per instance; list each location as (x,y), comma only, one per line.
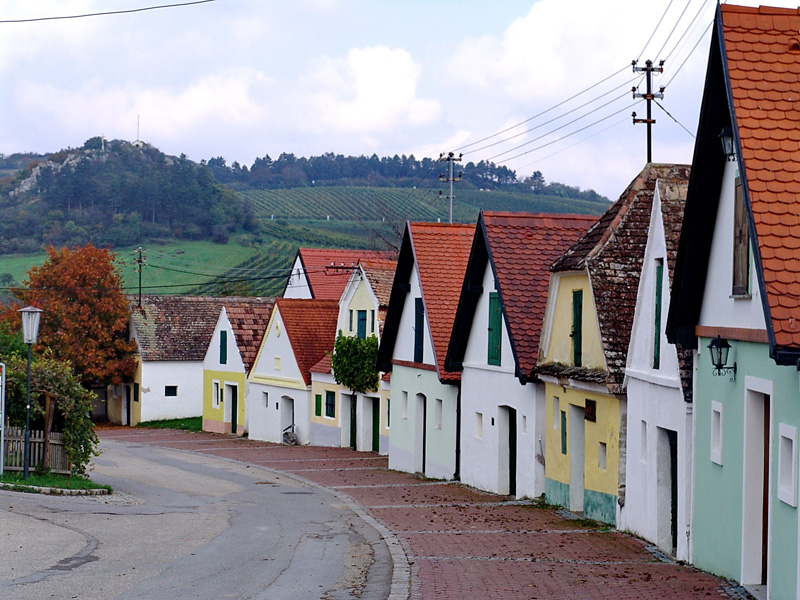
(464,544)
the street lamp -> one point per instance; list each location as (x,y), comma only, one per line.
(30,332)
(719,349)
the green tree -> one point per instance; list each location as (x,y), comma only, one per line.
(73,403)
(85,315)
(354,363)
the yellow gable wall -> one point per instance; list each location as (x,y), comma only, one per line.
(559,349)
(605,429)
(361,300)
(223,377)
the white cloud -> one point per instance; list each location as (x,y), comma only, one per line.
(231,99)
(373,90)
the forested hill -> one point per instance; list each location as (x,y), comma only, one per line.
(113,193)
(289,171)
(118,193)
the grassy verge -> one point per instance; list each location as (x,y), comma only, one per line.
(189,424)
(50,480)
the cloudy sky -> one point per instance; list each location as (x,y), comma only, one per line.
(246,78)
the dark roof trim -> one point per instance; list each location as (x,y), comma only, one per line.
(699,219)
(468,300)
(397,300)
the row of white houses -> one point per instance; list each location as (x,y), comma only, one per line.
(562,356)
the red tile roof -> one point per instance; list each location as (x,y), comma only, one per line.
(441,252)
(763,54)
(328,270)
(248,318)
(522,247)
(612,252)
(311,327)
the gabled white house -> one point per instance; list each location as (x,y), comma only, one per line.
(228,359)
(323,273)
(423,434)
(299,334)
(362,309)
(494,345)
(658,379)
(172,334)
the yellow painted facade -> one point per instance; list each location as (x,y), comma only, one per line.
(136,407)
(214,417)
(559,349)
(361,300)
(319,388)
(605,429)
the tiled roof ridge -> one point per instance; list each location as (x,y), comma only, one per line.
(521,248)
(762,48)
(440,292)
(318,325)
(764,10)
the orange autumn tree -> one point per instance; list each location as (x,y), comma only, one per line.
(85,315)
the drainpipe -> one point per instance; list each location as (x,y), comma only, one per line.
(457,474)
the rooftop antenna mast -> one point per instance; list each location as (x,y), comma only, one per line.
(649,96)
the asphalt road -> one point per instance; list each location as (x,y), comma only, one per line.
(183,525)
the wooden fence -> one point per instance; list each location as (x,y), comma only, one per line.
(14,450)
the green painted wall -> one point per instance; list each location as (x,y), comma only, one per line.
(718,495)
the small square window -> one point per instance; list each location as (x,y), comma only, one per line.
(590,413)
(170,390)
(265,397)
(716,432)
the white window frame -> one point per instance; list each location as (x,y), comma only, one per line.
(215,389)
(479,425)
(717,429)
(787,464)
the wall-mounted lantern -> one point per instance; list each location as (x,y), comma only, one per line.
(719,350)
(726,138)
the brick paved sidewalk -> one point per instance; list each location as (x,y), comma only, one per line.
(462,543)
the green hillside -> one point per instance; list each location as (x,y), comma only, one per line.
(377,204)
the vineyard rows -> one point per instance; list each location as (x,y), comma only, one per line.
(263,274)
(399,204)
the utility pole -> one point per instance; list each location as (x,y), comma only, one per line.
(648,70)
(140,259)
(450,158)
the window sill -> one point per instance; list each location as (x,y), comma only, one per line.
(741,296)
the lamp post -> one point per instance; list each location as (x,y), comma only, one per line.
(30,332)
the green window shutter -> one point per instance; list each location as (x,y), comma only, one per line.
(362,324)
(419,329)
(563,432)
(495,329)
(223,347)
(318,405)
(577,327)
(657,328)
(330,404)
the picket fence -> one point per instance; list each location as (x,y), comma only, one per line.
(14,450)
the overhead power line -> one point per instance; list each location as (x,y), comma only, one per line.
(111,12)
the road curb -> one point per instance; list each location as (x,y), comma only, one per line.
(35,489)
